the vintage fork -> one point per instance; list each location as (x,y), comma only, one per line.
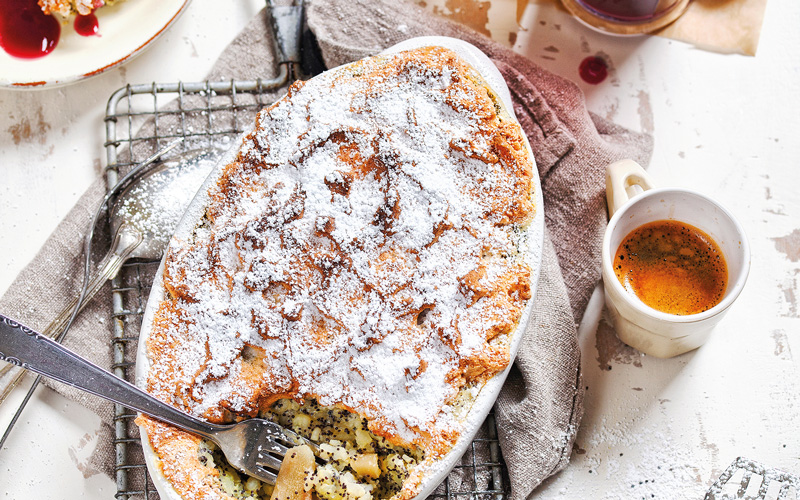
(254,446)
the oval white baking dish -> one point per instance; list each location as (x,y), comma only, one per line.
(485,399)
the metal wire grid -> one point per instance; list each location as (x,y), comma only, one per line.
(139,121)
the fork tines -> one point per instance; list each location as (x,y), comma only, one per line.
(277,443)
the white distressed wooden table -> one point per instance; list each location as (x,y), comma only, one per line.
(725,125)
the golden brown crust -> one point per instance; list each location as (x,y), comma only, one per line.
(183,468)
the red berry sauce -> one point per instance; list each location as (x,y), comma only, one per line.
(25,31)
(593,70)
(86,25)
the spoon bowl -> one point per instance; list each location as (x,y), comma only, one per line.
(152,206)
(142,221)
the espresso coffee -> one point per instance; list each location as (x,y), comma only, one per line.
(672,267)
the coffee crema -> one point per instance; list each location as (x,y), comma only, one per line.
(672,267)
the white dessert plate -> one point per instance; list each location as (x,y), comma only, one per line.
(488,393)
(125,29)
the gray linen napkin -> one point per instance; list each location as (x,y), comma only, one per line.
(540,407)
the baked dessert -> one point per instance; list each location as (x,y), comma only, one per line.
(356,270)
(68,7)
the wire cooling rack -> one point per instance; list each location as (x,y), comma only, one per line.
(140,120)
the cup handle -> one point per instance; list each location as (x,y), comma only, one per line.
(621,176)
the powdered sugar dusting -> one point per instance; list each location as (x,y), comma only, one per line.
(155,204)
(366,248)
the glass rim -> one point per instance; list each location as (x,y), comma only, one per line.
(609,24)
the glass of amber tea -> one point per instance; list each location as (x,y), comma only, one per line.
(673,262)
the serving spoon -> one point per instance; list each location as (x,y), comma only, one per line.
(142,220)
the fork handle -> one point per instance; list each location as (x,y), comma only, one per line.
(125,242)
(24,347)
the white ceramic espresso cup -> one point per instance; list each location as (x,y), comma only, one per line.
(651,331)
